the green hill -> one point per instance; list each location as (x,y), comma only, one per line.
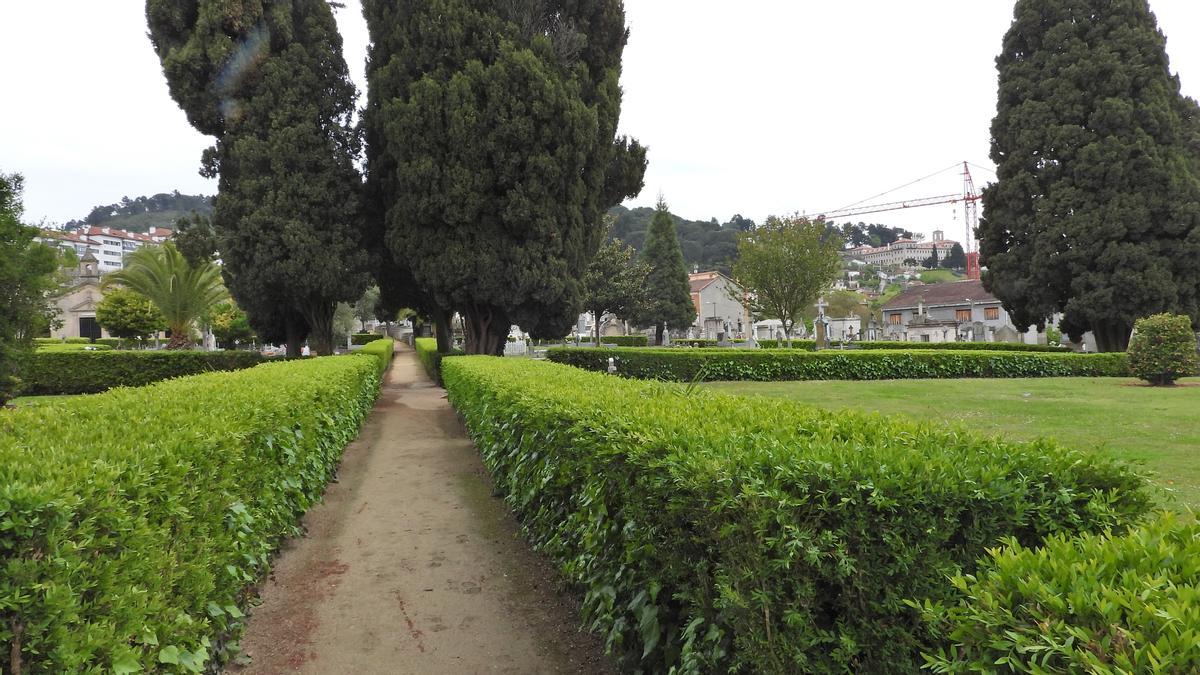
(142,213)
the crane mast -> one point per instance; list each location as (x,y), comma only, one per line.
(970,202)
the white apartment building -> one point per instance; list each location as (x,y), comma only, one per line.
(894,254)
(108,245)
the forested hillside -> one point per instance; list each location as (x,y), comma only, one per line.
(711,245)
(142,213)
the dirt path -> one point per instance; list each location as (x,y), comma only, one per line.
(411,566)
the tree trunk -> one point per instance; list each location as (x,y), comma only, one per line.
(597,322)
(442,331)
(1111,336)
(486,331)
(180,338)
(296,330)
(320,327)
(658,333)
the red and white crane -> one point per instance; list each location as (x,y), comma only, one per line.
(969,198)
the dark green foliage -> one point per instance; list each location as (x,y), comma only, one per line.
(614,283)
(141,213)
(624,340)
(26,278)
(129,315)
(229,325)
(1164,349)
(1096,213)
(705,244)
(959,346)
(931,263)
(363,338)
(136,522)
(770,365)
(87,372)
(956,259)
(1097,603)
(270,83)
(668,298)
(713,533)
(862,234)
(491,153)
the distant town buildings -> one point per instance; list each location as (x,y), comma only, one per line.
(77,306)
(718,313)
(108,245)
(895,253)
(960,311)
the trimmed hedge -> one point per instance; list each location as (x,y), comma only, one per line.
(624,340)
(429,357)
(811,345)
(714,533)
(88,372)
(134,523)
(382,350)
(363,338)
(1094,604)
(791,364)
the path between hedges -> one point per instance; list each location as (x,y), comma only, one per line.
(410,564)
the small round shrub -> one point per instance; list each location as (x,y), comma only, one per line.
(1163,349)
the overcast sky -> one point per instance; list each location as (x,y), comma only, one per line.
(773,107)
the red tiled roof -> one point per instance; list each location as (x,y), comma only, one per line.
(701,280)
(952,293)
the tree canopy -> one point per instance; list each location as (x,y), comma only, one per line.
(269,81)
(956,259)
(1096,212)
(615,283)
(492,155)
(129,315)
(668,300)
(182,292)
(785,265)
(26,277)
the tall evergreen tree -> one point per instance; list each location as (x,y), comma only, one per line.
(491,152)
(1096,213)
(26,278)
(668,302)
(268,80)
(956,259)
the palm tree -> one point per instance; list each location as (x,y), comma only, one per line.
(181,291)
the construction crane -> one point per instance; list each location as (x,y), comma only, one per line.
(969,198)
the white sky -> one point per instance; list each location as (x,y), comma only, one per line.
(773,107)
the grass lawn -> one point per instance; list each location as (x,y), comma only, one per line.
(940,276)
(1156,426)
(21,401)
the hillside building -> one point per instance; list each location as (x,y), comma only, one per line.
(108,245)
(895,253)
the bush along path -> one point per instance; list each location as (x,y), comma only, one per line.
(410,565)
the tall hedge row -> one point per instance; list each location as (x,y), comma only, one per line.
(713,533)
(49,371)
(792,364)
(133,523)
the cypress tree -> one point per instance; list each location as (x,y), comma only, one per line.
(1096,213)
(268,80)
(668,293)
(491,152)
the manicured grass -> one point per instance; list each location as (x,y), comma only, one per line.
(21,401)
(940,276)
(1156,426)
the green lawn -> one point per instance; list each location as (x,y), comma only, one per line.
(1159,427)
(940,276)
(38,400)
